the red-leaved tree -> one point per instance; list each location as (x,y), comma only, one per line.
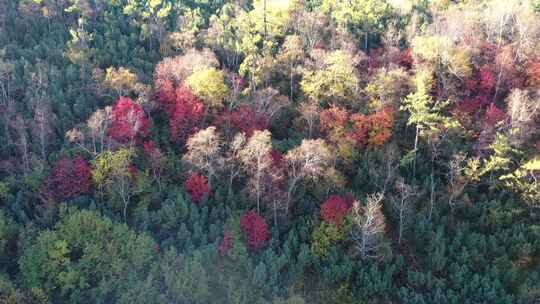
(334,209)
(487,81)
(183,108)
(255,229)
(493,115)
(405,59)
(243,119)
(70,178)
(373,130)
(333,119)
(197,187)
(129,121)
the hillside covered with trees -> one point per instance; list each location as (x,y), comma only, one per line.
(270,151)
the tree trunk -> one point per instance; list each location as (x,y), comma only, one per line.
(401,207)
(432,195)
(415,150)
(291,82)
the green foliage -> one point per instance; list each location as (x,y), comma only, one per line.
(185,278)
(366,15)
(473,236)
(324,237)
(427,114)
(8,238)
(86,257)
(209,84)
(336,81)
(523,180)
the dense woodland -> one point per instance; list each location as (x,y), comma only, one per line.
(269,151)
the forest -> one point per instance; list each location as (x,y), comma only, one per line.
(270,151)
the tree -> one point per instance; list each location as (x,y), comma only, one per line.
(524,180)
(373,130)
(362,16)
(457,179)
(243,119)
(209,85)
(123,82)
(333,122)
(197,187)
(522,113)
(70,177)
(9,231)
(310,160)
(256,158)
(151,14)
(184,109)
(309,112)
(426,115)
(388,87)
(98,125)
(369,227)
(83,256)
(403,206)
(258,30)
(185,278)
(291,55)
(493,116)
(42,128)
(233,163)
(268,102)
(204,152)
(177,69)
(156,159)
(334,209)
(129,123)
(222,33)
(255,229)
(226,243)
(335,81)
(111,171)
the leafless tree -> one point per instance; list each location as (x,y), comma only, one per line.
(403,206)
(310,160)
(523,112)
(98,124)
(310,114)
(232,158)
(255,157)
(43,129)
(204,152)
(269,102)
(383,175)
(369,227)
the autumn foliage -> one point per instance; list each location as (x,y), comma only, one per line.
(373,130)
(255,229)
(197,187)
(151,150)
(129,121)
(533,73)
(334,209)
(70,178)
(183,108)
(493,115)
(243,119)
(333,119)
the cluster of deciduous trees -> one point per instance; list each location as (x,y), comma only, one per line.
(269,151)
